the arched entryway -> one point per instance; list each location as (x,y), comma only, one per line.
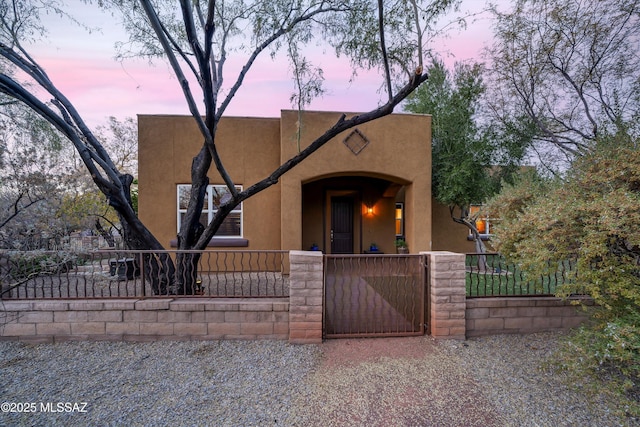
(351,213)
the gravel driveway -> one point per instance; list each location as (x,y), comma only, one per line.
(493,381)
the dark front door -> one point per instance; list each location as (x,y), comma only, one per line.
(342,225)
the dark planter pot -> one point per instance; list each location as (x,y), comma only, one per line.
(125,268)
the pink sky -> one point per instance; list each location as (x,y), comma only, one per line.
(83,67)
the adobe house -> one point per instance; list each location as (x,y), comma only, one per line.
(369,185)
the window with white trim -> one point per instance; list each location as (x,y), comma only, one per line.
(216,195)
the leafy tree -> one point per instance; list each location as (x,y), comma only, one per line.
(29,175)
(44,193)
(468,160)
(82,206)
(591,218)
(197,40)
(568,71)
(120,139)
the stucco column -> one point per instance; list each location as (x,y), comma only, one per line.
(305,297)
(291,213)
(418,214)
(447,295)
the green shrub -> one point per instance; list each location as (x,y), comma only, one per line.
(592,217)
(609,351)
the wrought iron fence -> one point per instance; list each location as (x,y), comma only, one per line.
(137,274)
(490,275)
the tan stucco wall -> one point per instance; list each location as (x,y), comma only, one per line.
(399,151)
(251,148)
(313,211)
(166,147)
(379,226)
(448,235)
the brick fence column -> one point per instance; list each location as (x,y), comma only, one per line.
(447,295)
(305,297)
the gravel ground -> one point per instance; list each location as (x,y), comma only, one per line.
(493,381)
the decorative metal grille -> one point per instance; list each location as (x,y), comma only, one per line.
(356,141)
(138,274)
(374,295)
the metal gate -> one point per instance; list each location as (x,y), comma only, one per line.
(374,295)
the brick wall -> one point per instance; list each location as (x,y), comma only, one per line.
(144,320)
(453,315)
(306,280)
(491,316)
(298,318)
(447,295)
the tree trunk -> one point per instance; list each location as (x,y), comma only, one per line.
(108,237)
(158,268)
(480,248)
(187,272)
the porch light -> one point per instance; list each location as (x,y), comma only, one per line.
(368,208)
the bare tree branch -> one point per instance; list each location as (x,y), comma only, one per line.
(383,49)
(340,126)
(17,208)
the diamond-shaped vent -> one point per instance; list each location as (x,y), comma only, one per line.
(356,142)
